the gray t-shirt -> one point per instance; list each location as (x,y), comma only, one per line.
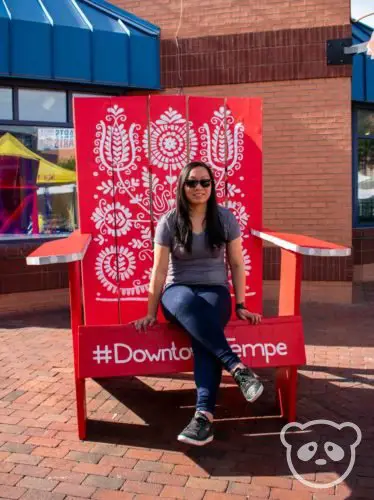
(201,266)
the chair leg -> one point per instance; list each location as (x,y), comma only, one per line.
(80,389)
(286,385)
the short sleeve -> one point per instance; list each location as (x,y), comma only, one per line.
(233,227)
(163,233)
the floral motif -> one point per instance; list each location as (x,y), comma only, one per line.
(168,141)
(232,190)
(112,267)
(144,241)
(235,141)
(247,262)
(126,263)
(117,148)
(100,240)
(112,218)
(240,213)
(107,187)
(222,146)
(219,140)
(247,268)
(105,268)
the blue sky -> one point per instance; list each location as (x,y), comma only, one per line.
(360,8)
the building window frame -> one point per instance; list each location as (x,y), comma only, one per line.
(358,106)
(8,87)
(69,89)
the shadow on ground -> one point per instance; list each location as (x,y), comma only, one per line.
(247,438)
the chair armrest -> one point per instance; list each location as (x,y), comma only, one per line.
(70,249)
(304,245)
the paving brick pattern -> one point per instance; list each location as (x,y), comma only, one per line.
(132,453)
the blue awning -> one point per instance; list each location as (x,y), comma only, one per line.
(85,41)
(363,66)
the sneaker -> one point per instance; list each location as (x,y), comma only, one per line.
(249,384)
(198,432)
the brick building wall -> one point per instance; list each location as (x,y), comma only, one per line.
(275,50)
(193,18)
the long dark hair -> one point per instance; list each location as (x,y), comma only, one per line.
(215,233)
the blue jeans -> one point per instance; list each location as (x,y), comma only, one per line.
(203,312)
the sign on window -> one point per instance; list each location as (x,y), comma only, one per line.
(55,138)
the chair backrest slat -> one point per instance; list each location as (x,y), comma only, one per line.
(132,194)
(96,210)
(207,118)
(244,185)
(168,149)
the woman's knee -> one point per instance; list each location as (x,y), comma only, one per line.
(176,298)
(218,297)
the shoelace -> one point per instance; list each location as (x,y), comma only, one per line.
(245,376)
(198,422)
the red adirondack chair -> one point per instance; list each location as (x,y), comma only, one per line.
(129,153)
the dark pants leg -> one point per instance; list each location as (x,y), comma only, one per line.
(203,311)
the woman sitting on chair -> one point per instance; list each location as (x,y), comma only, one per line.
(196,296)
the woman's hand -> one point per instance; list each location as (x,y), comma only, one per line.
(253,318)
(142,323)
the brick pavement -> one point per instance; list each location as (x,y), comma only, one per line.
(132,452)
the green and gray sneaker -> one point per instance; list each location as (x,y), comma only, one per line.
(198,432)
(249,384)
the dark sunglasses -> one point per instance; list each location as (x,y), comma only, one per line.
(192,183)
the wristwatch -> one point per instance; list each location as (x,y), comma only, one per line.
(240,305)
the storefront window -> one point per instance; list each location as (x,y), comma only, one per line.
(365,166)
(365,122)
(37,181)
(6,104)
(42,106)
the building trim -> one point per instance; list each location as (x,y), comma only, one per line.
(291,54)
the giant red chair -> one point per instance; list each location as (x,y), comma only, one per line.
(129,153)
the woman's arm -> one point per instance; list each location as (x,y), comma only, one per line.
(158,277)
(236,262)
